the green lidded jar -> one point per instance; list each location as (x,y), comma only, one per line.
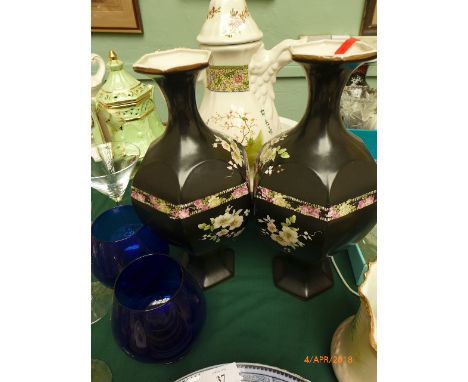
(130,100)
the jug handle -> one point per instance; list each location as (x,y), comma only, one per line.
(263,69)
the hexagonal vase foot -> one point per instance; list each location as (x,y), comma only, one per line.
(301,279)
(211,268)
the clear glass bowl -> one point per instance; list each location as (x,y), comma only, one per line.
(359,107)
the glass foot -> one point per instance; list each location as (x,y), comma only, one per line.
(100,372)
(101,301)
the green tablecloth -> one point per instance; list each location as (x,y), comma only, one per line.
(248,320)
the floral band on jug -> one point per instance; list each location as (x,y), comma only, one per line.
(314,210)
(183,211)
(228,78)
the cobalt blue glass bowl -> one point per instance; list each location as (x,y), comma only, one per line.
(158,309)
(118,237)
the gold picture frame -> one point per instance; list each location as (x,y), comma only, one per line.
(116,16)
(369,19)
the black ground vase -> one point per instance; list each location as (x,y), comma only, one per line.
(315,185)
(192,185)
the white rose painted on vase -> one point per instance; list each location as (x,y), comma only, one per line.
(288,237)
(222,221)
(227,225)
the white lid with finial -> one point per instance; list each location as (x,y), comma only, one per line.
(229,22)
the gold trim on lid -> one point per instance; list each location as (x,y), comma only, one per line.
(112,55)
(125,103)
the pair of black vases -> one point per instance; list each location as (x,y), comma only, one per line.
(314,188)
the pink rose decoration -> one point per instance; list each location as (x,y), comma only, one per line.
(154,201)
(137,196)
(265,194)
(366,202)
(240,192)
(310,211)
(238,79)
(333,214)
(184,213)
(200,205)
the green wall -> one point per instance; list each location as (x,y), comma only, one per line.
(176,23)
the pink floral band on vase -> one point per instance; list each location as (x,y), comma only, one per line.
(228,78)
(319,212)
(183,211)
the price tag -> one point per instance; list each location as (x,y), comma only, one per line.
(224,373)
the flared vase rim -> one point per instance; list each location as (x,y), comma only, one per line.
(153,308)
(308,52)
(167,61)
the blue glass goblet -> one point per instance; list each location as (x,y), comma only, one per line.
(119,237)
(158,309)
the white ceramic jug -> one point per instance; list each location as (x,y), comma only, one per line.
(239,95)
(356,337)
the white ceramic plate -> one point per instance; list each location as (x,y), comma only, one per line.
(254,372)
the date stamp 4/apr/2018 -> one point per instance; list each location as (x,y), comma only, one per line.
(331,359)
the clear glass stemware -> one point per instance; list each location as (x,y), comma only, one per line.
(111,167)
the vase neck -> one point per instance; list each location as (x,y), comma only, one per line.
(179,91)
(326,82)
